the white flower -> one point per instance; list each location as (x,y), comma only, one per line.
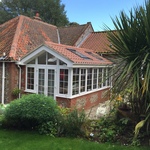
(91,134)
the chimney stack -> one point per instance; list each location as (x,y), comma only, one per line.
(37,16)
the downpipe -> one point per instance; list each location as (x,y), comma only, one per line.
(3,82)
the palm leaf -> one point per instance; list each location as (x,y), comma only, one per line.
(138,127)
(131,42)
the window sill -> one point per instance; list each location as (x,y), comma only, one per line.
(81,94)
(29,91)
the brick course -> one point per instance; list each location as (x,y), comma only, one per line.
(86,101)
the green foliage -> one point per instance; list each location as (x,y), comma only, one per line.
(111,129)
(16,91)
(30,111)
(107,131)
(69,123)
(64,111)
(52,11)
(42,113)
(1,118)
(48,128)
(131,42)
(73,123)
(53,129)
(136,142)
(2,109)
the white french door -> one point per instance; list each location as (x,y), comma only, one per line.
(46,82)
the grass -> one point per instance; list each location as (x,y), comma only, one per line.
(21,140)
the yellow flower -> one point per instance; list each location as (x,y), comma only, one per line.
(119,98)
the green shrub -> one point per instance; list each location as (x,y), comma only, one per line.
(73,123)
(107,130)
(48,128)
(2,108)
(31,111)
(1,120)
(69,124)
(53,128)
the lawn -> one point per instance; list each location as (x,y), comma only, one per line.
(21,140)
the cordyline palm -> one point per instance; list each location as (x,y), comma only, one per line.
(131,42)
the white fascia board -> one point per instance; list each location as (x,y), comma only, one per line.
(37,52)
(90,66)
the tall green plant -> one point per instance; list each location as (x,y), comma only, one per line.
(131,42)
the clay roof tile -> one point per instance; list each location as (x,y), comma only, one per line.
(22,34)
(80,55)
(98,42)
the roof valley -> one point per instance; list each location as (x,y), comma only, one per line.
(58,35)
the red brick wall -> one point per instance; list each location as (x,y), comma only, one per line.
(86,101)
(23,78)
(11,80)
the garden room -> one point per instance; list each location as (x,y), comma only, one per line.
(72,76)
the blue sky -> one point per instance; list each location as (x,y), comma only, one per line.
(98,12)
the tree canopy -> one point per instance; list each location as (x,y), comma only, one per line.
(51,11)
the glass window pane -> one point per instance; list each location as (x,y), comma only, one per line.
(89,79)
(30,78)
(51,79)
(32,62)
(62,63)
(41,81)
(42,59)
(63,89)
(109,77)
(51,59)
(95,79)
(100,78)
(104,77)
(75,87)
(83,78)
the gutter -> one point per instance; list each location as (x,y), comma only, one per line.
(19,80)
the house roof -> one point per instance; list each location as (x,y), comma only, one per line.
(78,55)
(98,42)
(23,34)
(7,32)
(69,35)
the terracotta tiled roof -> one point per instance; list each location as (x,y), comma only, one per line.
(22,34)
(98,42)
(70,35)
(64,50)
(7,32)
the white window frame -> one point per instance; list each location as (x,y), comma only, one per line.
(26,88)
(104,79)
